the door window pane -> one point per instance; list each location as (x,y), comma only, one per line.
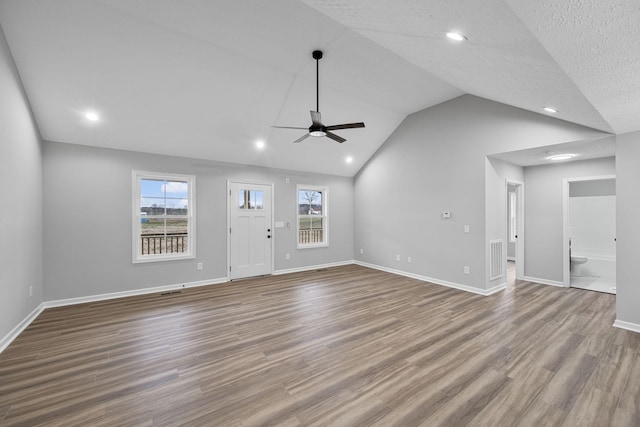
(250,199)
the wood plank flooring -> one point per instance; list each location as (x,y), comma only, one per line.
(346,346)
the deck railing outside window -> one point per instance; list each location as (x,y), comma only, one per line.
(310,236)
(153,244)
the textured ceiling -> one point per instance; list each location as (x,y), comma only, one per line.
(596,43)
(206,79)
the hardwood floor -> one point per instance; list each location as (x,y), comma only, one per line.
(344,346)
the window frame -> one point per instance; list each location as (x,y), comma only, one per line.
(136,255)
(324,215)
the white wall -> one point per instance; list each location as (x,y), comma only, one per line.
(592,226)
(436,161)
(628,228)
(21,195)
(87,223)
(543,216)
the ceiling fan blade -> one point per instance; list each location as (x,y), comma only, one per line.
(316,118)
(288,127)
(335,137)
(302,138)
(346,126)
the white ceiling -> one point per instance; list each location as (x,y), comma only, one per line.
(206,79)
(583,150)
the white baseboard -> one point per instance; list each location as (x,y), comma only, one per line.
(133,292)
(544,281)
(472,289)
(492,290)
(634,327)
(13,334)
(312,267)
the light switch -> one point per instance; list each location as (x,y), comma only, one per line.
(466,228)
(446,214)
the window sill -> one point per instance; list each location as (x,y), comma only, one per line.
(160,258)
(314,245)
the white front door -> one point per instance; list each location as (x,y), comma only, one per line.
(250,230)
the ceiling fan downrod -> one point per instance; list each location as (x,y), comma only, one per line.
(317,55)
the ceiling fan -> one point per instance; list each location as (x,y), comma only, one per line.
(317,128)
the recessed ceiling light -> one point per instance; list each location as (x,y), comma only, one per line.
(260,144)
(90,115)
(456,36)
(550,110)
(558,157)
(349,159)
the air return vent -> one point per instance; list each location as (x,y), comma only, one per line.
(496,259)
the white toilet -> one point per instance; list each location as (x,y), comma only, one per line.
(576,262)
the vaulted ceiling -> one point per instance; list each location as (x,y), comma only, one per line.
(207,79)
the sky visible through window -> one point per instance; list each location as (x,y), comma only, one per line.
(161,193)
(302,197)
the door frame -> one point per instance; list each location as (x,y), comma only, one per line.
(566,262)
(227,233)
(519,185)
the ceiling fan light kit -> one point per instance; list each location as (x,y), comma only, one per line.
(317,129)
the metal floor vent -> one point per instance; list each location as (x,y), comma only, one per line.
(170,293)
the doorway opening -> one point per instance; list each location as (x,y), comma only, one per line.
(515,226)
(590,233)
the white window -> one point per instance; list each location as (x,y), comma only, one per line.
(513,229)
(163,216)
(313,218)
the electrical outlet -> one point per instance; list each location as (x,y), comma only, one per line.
(397,257)
(409,259)
(466,269)
(361,251)
(287,256)
(30,291)
(199,266)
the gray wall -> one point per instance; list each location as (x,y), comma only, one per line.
(435,161)
(21,195)
(543,213)
(87,223)
(628,227)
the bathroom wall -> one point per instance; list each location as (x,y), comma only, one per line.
(592,226)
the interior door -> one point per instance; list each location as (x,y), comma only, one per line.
(250,230)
